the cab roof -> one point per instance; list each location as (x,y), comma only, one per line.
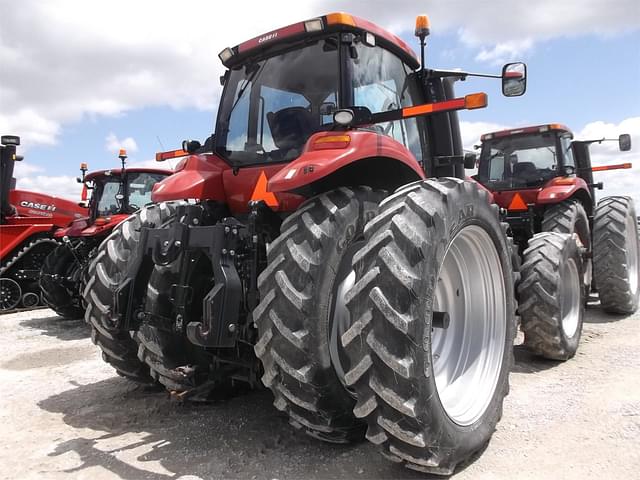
(117,171)
(337,21)
(525,130)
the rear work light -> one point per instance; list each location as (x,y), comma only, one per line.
(225,55)
(314,25)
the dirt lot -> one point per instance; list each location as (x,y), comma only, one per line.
(65,414)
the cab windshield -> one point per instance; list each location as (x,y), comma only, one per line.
(271,107)
(516,162)
(112,198)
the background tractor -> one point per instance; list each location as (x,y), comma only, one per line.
(268,254)
(116,194)
(544,180)
(27,223)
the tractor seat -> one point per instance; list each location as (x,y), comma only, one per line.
(291,127)
(525,169)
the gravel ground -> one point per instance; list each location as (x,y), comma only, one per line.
(65,413)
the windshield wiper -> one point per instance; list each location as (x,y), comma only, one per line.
(245,85)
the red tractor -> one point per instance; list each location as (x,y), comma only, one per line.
(304,245)
(27,223)
(116,194)
(544,180)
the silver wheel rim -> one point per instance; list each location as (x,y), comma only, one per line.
(632,254)
(467,356)
(570,297)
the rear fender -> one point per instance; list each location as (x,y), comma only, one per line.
(562,188)
(74,229)
(370,158)
(200,177)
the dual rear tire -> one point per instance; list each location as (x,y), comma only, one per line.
(433,324)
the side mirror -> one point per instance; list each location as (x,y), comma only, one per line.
(191,146)
(624,142)
(514,79)
(469,160)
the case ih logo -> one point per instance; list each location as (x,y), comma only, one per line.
(267,37)
(38,206)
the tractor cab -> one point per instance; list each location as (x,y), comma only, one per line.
(525,158)
(302,104)
(115,194)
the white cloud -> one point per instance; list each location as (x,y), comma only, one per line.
(65,60)
(114,144)
(62,186)
(505,51)
(471,131)
(25,169)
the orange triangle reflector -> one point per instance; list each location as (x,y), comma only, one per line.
(517,203)
(261,193)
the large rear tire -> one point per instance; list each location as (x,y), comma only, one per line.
(616,255)
(431,391)
(60,283)
(115,257)
(300,291)
(551,295)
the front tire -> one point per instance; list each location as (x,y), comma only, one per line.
(551,295)
(432,394)
(616,258)
(60,283)
(570,217)
(294,317)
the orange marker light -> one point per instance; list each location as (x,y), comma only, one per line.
(162,156)
(83,166)
(340,18)
(517,203)
(475,100)
(423,26)
(122,153)
(618,166)
(331,141)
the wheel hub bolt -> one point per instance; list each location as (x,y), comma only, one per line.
(232,327)
(177,243)
(195,221)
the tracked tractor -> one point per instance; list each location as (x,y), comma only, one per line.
(115,194)
(304,246)
(543,178)
(27,224)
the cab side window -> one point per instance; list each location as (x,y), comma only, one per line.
(567,151)
(382,82)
